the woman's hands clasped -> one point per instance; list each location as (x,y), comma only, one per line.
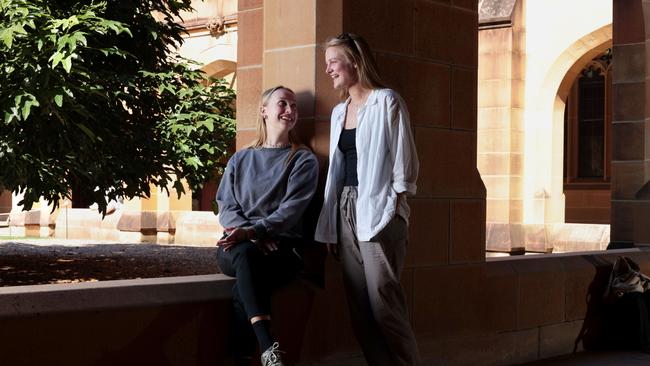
(235,236)
(238,234)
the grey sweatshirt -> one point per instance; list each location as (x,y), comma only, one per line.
(259,189)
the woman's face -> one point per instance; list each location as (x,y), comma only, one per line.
(342,71)
(280,111)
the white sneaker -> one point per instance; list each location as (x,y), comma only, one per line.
(271,357)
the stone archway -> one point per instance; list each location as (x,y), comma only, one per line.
(576,57)
(219,68)
(520,133)
(545,150)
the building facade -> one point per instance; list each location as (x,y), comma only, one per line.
(465,308)
(544,147)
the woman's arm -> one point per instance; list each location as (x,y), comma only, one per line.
(402,147)
(230,213)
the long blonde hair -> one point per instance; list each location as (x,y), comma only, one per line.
(358,53)
(260,125)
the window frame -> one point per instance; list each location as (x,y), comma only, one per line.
(572,134)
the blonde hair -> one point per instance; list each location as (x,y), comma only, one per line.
(357,52)
(260,125)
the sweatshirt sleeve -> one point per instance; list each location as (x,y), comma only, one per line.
(402,147)
(301,187)
(230,212)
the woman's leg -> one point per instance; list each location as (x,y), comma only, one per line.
(243,338)
(246,262)
(257,275)
(383,259)
(366,329)
(252,291)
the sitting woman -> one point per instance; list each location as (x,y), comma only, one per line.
(262,197)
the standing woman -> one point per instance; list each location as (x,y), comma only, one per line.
(262,197)
(373,165)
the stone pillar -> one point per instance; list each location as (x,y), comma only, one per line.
(630,119)
(280,43)
(436,73)
(427,51)
(249,67)
(153,219)
(501,130)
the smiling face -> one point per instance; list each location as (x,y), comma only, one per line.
(280,112)
(340,68)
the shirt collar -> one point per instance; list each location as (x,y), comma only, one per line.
(372,98)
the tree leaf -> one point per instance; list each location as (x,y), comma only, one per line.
(67,63)
(87,131)
(7,36)
(26,109)
(56,58)
(132,137)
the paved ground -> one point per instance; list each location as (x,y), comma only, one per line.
(45,261)
(597,359)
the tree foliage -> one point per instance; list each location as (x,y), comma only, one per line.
(94,98)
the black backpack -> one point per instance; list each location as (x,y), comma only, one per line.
(618,308)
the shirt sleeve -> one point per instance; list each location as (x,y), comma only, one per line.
(402,147)
(301,187)
(230,212)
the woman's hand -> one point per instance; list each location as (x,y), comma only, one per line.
(268,245)
(235,236)
(400,197)
(333,249)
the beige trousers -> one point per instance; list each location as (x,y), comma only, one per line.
(371,273)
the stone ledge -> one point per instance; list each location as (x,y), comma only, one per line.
(606,253)
(546,238)
(170,314)
(59,298)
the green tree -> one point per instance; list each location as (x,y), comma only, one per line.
(94,97)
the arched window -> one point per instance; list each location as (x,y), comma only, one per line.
(588,126)
(587,152)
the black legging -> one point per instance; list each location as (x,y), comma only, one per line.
(257,275)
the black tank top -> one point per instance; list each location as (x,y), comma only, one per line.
(347,144)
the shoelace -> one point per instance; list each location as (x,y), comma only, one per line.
(274,352)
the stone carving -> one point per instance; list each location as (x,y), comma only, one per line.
(491,10)
(217,26)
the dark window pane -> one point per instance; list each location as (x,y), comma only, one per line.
(591,126)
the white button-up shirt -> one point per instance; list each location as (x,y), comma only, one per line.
(387,164)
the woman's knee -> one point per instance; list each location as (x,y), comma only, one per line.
(229,260)
(246,251)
